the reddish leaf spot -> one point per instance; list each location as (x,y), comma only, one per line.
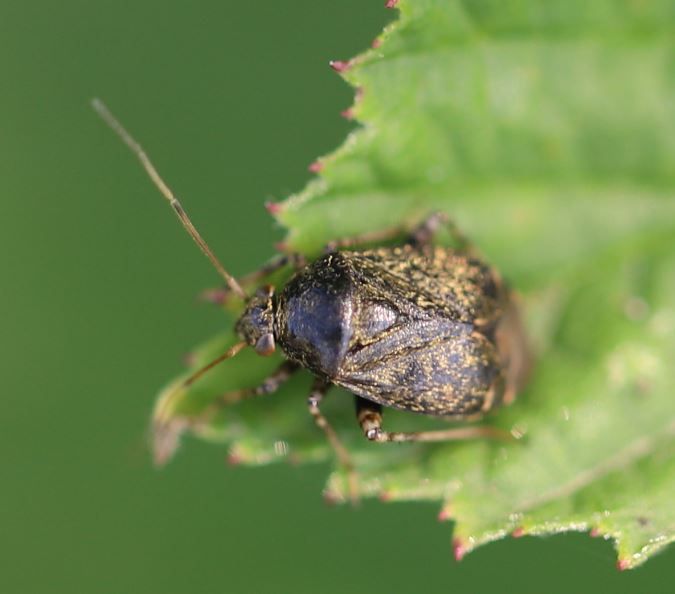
(622,564)
(444,515)
(274,208)
(340,65)
(385,496)
(595,532)
(331,498)
(377,42)
(390,3)
(234,459)
(518,532)
(315,167)
(347,114)
(458,549)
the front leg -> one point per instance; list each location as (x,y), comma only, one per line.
(270,385)
(369,415)
(168,425)
(220,295)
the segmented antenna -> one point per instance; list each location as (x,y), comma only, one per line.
(137,149)
(231,352)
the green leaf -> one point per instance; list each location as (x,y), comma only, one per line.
(547,131)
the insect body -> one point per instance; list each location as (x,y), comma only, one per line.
(416,327)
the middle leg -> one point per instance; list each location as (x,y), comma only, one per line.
(319,391)
(270,385)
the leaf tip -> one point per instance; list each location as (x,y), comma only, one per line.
(623,564)
(274,208)
(331,497)
(234,458)
(166,428)
(340,66)
(315,167)
(385,496)
(445,514)
(458,549)
(166,439)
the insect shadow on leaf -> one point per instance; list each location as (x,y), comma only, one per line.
(417,327)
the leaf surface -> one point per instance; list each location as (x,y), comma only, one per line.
(547,132)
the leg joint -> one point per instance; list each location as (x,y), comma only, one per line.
(267,387)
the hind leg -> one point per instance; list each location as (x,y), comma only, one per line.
(369,416)
(426,231)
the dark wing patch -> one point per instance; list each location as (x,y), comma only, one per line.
(445,369)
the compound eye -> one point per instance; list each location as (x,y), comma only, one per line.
(265,345)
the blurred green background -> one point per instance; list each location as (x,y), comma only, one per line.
(233,101)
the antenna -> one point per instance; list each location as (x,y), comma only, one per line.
(137,149)
(231,352)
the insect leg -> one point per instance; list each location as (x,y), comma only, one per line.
(426,231)
(219,295)
(369,415)
(370,237)
(167,429)
(514,351)
(319,390)
(268,386)
(420,236)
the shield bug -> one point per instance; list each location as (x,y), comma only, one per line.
(417,327)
